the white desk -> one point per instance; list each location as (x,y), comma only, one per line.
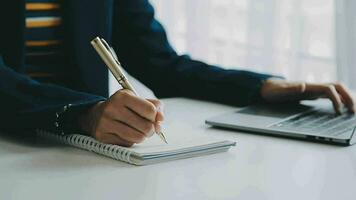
(259,167)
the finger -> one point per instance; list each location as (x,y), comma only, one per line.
(122,130)
(128,133)
(135,121)
(342,99)
(158,128)
(140,106)
(155,102)
(159,117)
(112,138)
(346,97)
(327,91)
(159,107)
(333,95)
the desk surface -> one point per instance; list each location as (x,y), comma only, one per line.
(259,167)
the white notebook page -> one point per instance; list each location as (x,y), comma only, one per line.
(176,141)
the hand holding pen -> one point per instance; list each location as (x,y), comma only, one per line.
(124,118)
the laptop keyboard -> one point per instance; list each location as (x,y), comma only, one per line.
(319,122)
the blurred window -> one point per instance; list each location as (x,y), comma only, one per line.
(293,38)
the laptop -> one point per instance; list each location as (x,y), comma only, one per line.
(310,120)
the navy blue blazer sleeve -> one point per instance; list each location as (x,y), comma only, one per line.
(145,52)
(27,104)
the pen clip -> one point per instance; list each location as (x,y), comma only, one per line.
(111,50)
(120,78)
(114,54)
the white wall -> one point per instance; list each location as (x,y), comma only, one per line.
(346,41)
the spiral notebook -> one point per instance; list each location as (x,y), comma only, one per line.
(149,152)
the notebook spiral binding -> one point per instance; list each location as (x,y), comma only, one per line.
(89,144)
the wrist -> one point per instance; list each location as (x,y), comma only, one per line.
(268,87)
(88,119)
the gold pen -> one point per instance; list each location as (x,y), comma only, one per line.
(109,56)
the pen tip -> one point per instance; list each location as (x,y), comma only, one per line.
(163,137)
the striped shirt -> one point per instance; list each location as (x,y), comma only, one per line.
(44,55)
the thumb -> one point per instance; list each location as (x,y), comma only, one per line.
(159,107)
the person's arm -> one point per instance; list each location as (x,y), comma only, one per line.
(122,119)
(145,52)
(27,104)
(143,48)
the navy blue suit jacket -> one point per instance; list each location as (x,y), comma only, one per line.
(142,47)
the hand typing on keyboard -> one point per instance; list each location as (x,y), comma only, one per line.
(278,90)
